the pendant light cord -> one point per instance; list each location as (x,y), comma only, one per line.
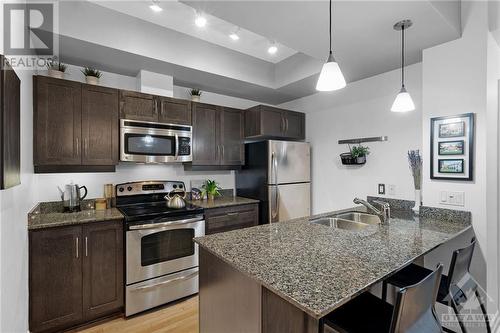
(330,26)
(403,56)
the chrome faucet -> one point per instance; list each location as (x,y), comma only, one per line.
(384,213)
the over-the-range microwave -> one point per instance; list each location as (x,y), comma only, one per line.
(149,142)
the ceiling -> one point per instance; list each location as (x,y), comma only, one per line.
(168,42)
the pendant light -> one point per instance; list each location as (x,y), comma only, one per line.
(331,77)
(403,101)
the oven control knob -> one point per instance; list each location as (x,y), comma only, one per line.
(180,185)
(121,189)
(129,188)
(174,186)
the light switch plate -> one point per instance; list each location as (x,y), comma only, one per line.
(381,188)
(452,198)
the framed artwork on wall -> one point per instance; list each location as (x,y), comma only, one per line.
(452,147)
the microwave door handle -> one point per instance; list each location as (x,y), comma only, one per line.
(176,146)
(164,224)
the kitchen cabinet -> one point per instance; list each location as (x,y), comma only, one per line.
(266,122)
(75,275)
(158,109)
(217,136)
(99,126)
(231,218)
(10,116)
(75,126)
(138,106)
(174,111)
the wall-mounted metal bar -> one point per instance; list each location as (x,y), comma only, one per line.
(360,140)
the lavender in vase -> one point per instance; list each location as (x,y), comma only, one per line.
(415,161)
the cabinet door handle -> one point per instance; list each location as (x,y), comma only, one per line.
(286,125)
(222,152)
(86,246)
(232,214)
(85,147)
(77,246)
(77,146)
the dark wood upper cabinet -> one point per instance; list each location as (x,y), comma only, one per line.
(231,136)
(100,125)
(138,106)
(264,121)
(206,147)
(217,136)
(57,122)
(75,275)
(10,127)
(55,275)
(174,111)
(102,269)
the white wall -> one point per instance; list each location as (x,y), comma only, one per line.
(362,109)
(45,186)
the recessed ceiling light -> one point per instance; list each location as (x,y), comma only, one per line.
(272,49)
(200,21)
(155,7)
(234,36)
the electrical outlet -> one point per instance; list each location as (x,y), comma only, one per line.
(391,189)
(452,198)
(381,189)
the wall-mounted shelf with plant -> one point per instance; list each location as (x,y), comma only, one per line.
(355,156)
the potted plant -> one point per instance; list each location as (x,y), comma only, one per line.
(195,94)
(92,75)
(415,162)
(56,68)
(359,153)
(210,189)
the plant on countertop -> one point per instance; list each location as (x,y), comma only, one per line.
(195,92)
(210,189)
(53,64)
(359,151)
(89,71)
(415,161)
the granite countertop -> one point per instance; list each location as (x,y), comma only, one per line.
(319,268)
(223,201)
(50,214)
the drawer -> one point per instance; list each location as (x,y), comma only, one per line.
(231,218)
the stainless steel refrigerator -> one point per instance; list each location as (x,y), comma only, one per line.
(278,173)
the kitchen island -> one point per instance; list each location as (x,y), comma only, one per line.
(285,277)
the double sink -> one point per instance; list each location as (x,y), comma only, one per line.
(349,221)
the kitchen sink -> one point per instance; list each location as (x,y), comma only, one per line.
(340,223)
(360,217)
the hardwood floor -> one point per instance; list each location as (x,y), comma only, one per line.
(180,317)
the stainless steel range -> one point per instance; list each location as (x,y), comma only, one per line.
(161,257)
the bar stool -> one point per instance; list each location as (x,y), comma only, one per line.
(412,313)
(454,289)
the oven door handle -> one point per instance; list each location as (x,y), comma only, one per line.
(165,224)
(177,279)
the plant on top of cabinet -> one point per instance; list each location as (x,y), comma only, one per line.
(56,68)
(210,189)
(92,75)
(195,94)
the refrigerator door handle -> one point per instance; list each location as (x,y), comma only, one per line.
(274,162)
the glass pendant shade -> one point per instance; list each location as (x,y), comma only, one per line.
(403,102)
(331,77)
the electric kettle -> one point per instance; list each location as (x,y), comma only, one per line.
(71,197)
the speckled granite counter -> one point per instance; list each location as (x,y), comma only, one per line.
(49,215)
(223,201)
(319,268)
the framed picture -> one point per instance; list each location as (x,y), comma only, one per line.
(451,166)
(452,147)
(452,130)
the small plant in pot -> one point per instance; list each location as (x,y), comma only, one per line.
(210,189)
(92,75)
(195,94)
(56,68)
(359,153)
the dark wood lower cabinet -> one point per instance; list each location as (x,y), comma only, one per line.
(231,218)
(75,275)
